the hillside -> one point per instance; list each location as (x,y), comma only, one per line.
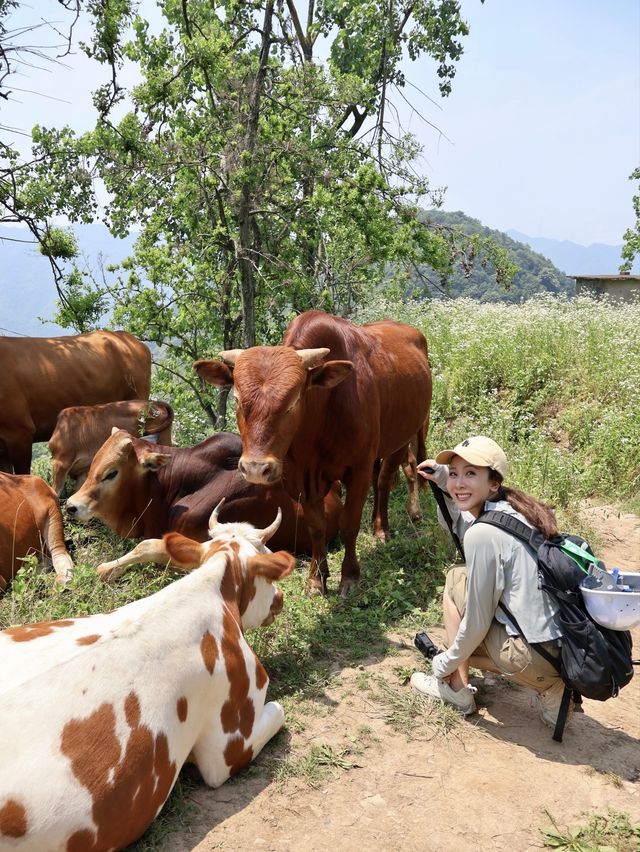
(27,293)
(537,274)
(574,259)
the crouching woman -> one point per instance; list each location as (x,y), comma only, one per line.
(499,568)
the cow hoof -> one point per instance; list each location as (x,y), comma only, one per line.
(382,535)
(107,573)
(345,587)
(314,591)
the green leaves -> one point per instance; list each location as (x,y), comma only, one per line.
(631,237)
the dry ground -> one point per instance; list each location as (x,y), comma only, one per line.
(489,783)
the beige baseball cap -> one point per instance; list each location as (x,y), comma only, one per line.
(478,450)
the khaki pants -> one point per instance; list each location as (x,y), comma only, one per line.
(511,655)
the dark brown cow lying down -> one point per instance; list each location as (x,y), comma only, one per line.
(82,429)
(325,406)
(141,490)
(30,523)
(42,375)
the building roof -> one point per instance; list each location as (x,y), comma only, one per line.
(634,278)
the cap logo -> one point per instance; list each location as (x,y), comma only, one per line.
(465,443)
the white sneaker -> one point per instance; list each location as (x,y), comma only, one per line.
(430,686)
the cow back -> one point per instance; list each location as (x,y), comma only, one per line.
(387,396)
(43,375)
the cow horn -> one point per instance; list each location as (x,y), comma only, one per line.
(272,529)
(311,357)
(229,356)
(213,520)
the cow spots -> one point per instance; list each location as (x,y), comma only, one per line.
(27,632)
(236,756)
(262,678)
(13,819)
(236,589)
(182,708)
(209,651)
(238,712)
(88,640)
(128,786)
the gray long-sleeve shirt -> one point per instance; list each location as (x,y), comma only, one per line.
(499,567)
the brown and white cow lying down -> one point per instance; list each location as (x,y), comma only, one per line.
(42,375)
(30,523)
(82,429)
(100,713)
(141,490)
(306,420)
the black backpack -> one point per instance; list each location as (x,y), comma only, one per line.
(594,662)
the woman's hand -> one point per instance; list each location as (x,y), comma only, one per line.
(428,469)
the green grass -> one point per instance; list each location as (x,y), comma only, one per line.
(611,833)
(554,381)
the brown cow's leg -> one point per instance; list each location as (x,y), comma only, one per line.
(374,485)
(318,569)
(388,473)
(150,550)
(19,451)
(357,489)
(409,465)
(54,540)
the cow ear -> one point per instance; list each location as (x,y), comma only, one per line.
(272,566)
(153,461)
(184,552)
(214,372)
(330,374)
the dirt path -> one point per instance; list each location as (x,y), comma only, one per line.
(486,785)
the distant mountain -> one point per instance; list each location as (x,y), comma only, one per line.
(537,273)
(574,259)
(27,291)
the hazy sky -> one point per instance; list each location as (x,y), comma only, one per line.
(543,120)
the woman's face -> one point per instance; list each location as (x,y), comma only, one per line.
(470,486)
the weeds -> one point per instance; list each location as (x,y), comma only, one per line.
(314,767)
(611,833)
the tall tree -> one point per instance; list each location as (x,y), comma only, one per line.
(263,180)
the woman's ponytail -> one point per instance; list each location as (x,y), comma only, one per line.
(539,515)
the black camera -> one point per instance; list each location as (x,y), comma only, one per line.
(426,646)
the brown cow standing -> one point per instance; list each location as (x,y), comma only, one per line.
(82,429)
(142,490)
(30,523)
(308,421)
(40,376)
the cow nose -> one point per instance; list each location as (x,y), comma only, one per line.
(70,509)
(260,471)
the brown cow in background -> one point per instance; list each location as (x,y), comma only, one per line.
(82,429)
(39,376)
(30,523)
(307,421)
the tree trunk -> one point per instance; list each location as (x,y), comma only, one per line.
(246,261)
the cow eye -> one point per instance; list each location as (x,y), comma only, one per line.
(111,475)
